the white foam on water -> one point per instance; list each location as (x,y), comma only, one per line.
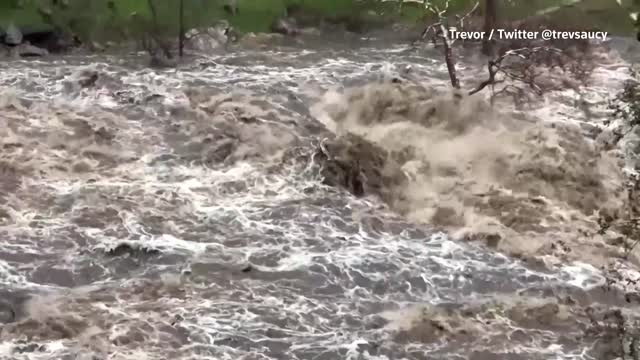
(321,265)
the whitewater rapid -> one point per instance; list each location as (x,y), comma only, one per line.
(124,236)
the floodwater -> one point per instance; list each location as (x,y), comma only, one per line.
(180,214)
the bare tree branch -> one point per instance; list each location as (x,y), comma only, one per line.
(521,67)
(461,19)
(493,68)
(524,74)
(441,32)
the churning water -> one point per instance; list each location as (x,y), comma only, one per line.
(180,214)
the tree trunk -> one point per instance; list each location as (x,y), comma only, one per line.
(181,35)
(490,19)
(154,14)
(449,58)
(155,30)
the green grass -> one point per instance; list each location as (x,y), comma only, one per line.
(604,14)
(27,17)
(92,19)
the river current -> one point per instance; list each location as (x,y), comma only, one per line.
(131,229)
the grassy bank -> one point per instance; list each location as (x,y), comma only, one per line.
(93,18)
(253,15)
(604,14)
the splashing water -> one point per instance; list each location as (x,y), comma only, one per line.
(179,214)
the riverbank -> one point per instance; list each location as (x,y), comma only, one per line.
(249,16)
(98,21)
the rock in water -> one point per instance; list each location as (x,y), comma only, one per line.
(4,51)
(160,61)
(209,39)
(7,312)
(285,27)
(88,79)
(13,35)
(28,50)
(361,167)
(260,40)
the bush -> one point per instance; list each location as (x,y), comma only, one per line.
(626,105)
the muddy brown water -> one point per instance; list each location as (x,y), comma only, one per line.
(180,214)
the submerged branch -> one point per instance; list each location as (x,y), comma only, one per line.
(493,68)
